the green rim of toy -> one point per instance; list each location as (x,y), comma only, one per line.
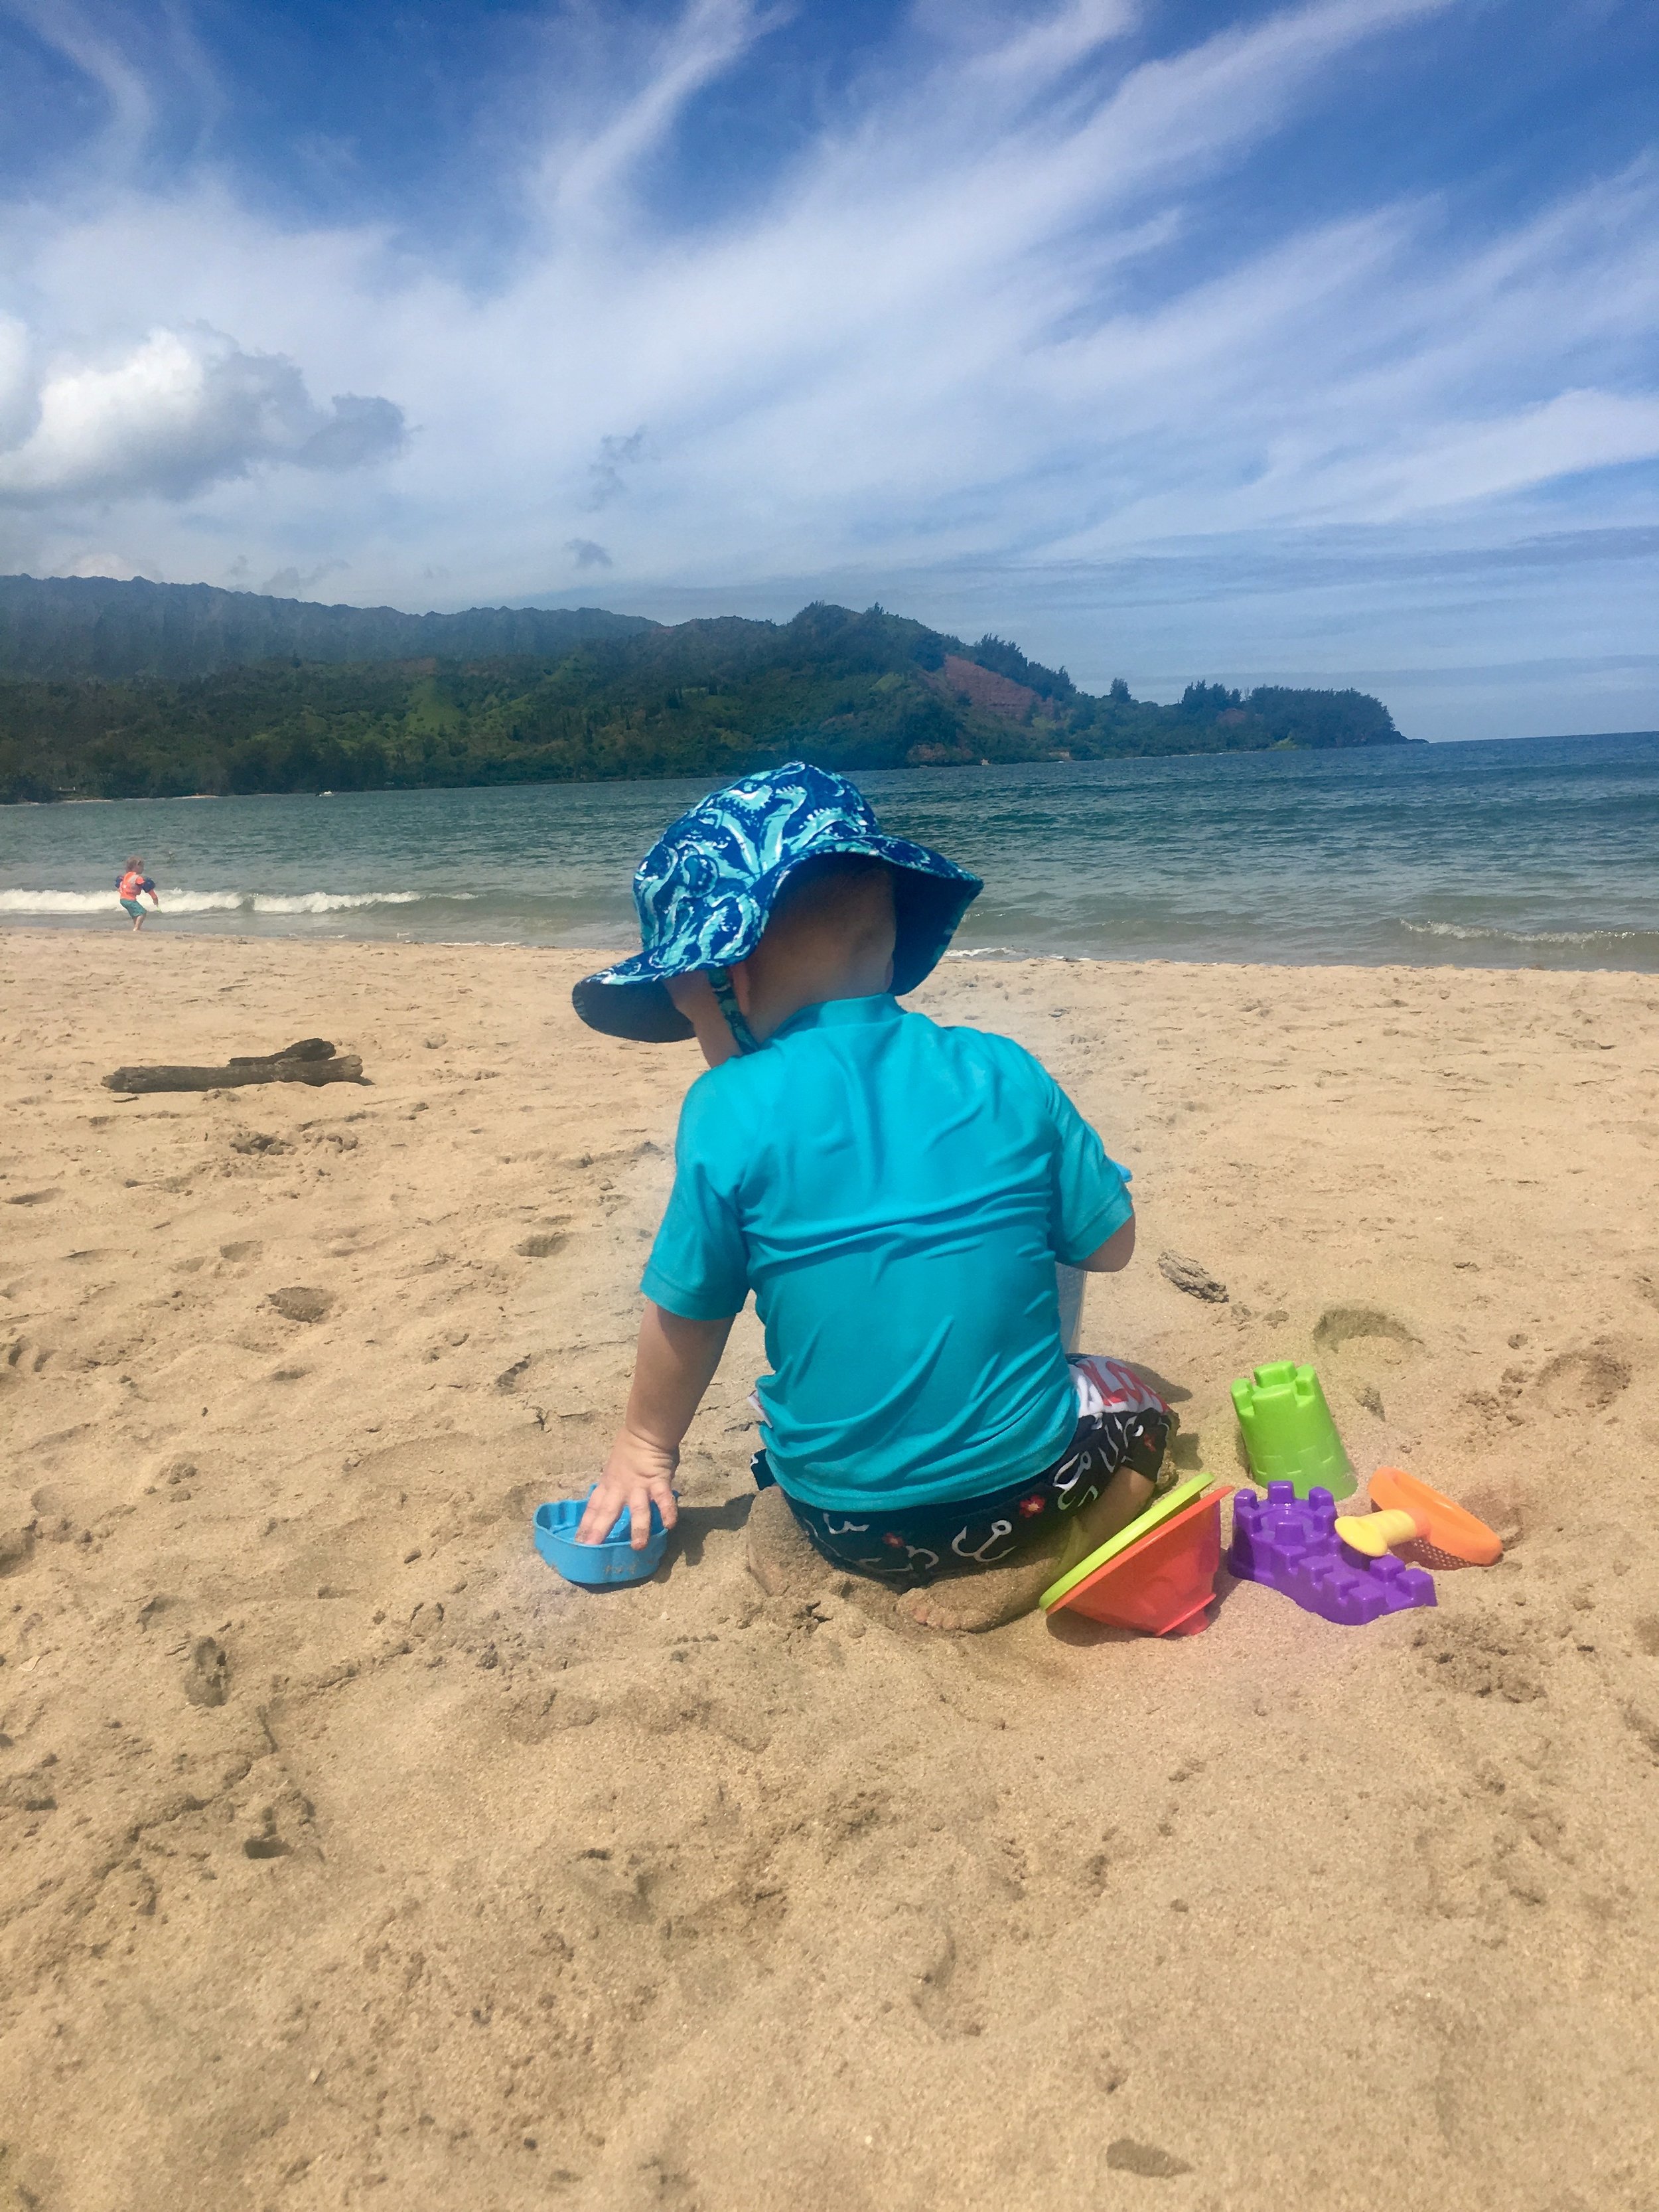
(1158,1511)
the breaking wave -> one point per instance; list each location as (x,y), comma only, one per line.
(182,902)
(1475,930)
(333,902)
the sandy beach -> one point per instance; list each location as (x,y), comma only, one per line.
(349,1858)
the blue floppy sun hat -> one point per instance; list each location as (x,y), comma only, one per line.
(706,889)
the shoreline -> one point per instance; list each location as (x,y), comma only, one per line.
(343,1847)
(898,768)
(76,926)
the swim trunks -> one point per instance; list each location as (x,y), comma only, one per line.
(1121,1421)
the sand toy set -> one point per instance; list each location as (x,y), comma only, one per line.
(1158,1574)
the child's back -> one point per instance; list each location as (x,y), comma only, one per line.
(896,1195)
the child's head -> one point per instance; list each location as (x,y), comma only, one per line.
(779,892)
(830,935)
(833,920)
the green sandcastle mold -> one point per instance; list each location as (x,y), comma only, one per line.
(1288,1430)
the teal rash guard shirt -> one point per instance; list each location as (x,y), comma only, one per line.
(895,1195)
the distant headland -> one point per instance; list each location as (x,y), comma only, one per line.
(116,691)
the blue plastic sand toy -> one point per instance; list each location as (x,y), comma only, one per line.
(595,1565)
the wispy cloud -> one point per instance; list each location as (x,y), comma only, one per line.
(992,315)
(98,53)
(588,166)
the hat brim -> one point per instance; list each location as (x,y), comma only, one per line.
(930,897)
(642,1011)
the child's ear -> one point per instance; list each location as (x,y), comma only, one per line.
(694,997)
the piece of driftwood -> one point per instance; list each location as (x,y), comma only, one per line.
(345,1067)
(307,1048)
(1187,1275)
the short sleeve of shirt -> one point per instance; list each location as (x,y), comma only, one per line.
(699,1265)
(1091,1197)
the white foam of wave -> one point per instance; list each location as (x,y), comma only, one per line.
(105,902)
(182,901)
(1012,952)
(329,902)
(1468,929)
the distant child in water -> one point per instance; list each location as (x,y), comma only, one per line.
(898,1196)
(131,889)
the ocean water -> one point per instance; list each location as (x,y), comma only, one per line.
(1531,852)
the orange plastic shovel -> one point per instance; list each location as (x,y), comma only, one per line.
(1400,1497)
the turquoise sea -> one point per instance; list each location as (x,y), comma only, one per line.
(1528,852)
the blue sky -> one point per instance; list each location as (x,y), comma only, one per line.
(1313,343)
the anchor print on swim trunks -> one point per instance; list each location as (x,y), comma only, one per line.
(1121,1421)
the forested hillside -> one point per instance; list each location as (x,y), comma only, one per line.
(850,690)
(95,626)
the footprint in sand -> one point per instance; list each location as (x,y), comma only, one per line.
(1126,2155)
(16,1549)
(1337,1327)
(1363,1342)
(260,1142)
(207,1676)
(1484,1658)
(1643,1724)
(300,1302)
(1582,1382)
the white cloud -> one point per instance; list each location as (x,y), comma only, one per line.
(100,563)
(181,409)
(292,583)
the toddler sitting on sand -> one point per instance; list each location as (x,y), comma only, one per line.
(898,1196)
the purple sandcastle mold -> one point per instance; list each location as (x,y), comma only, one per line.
(1290,1544)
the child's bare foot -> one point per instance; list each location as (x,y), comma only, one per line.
(780,1558)
(965,1605)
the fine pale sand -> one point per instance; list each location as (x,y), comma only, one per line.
(347,1857)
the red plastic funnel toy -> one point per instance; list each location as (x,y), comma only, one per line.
(1162,1584)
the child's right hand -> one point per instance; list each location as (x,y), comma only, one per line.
(637,1475)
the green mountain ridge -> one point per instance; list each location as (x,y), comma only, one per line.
(69,626)
(711,697)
